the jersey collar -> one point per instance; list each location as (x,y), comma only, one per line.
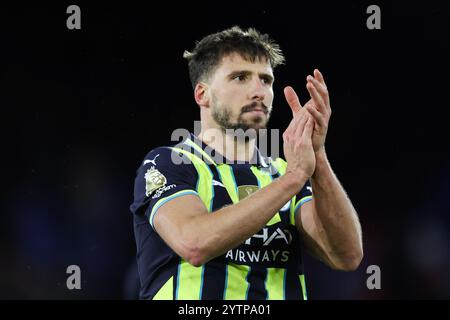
(258,159)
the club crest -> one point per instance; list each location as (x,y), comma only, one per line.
(246,190)
(154,180)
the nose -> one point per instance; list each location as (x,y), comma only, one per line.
(258,90)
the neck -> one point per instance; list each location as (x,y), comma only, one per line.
(229,145)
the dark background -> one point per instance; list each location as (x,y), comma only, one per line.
(81,108)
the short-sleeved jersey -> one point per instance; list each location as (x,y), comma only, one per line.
(268,265)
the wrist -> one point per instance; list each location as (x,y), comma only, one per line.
(320,154)
(321,162)
(295,180)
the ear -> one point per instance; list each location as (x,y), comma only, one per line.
(201,94)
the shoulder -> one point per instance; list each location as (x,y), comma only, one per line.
(166,156)
(163,169)
(167,163)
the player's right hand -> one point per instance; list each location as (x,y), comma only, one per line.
(297,138)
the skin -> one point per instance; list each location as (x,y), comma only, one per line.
(236,87)
(328,224)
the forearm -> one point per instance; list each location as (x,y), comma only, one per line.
(337,219)
(219,231)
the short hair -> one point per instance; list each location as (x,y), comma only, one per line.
(210,50)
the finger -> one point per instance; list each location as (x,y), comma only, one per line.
(321,88)
(323,91)
(292,100)
(318,75)
(317,116)
(309,126)
(315,96)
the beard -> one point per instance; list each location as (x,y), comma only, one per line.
(223,115)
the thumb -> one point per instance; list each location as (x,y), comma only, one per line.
(292,100)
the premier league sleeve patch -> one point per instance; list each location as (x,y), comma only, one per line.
(154,180)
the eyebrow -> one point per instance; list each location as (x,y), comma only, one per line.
(247,73)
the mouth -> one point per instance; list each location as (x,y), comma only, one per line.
(257,111)
(256,108)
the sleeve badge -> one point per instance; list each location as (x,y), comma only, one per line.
(153,180)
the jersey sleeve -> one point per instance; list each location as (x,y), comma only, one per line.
(162,176)
(301,198)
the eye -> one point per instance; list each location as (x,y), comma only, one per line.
(266,80)
(240,77)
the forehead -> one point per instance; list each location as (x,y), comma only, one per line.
(234,61)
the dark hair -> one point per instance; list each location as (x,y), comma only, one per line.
(209,51)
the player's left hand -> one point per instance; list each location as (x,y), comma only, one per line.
(319,107)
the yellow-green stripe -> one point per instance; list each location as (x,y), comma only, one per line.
(236,285)
(302,281)
(189,282)
(227,178)
(200,150)
(281,165)
(275,283)
(292,211)
(205,187)
(166,291)
(265,179)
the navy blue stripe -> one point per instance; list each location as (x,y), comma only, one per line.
(243,175)
(160,279)
(293,286)
(221,197)
(214,280)
(257,278)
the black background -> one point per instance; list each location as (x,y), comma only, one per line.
(81,108)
